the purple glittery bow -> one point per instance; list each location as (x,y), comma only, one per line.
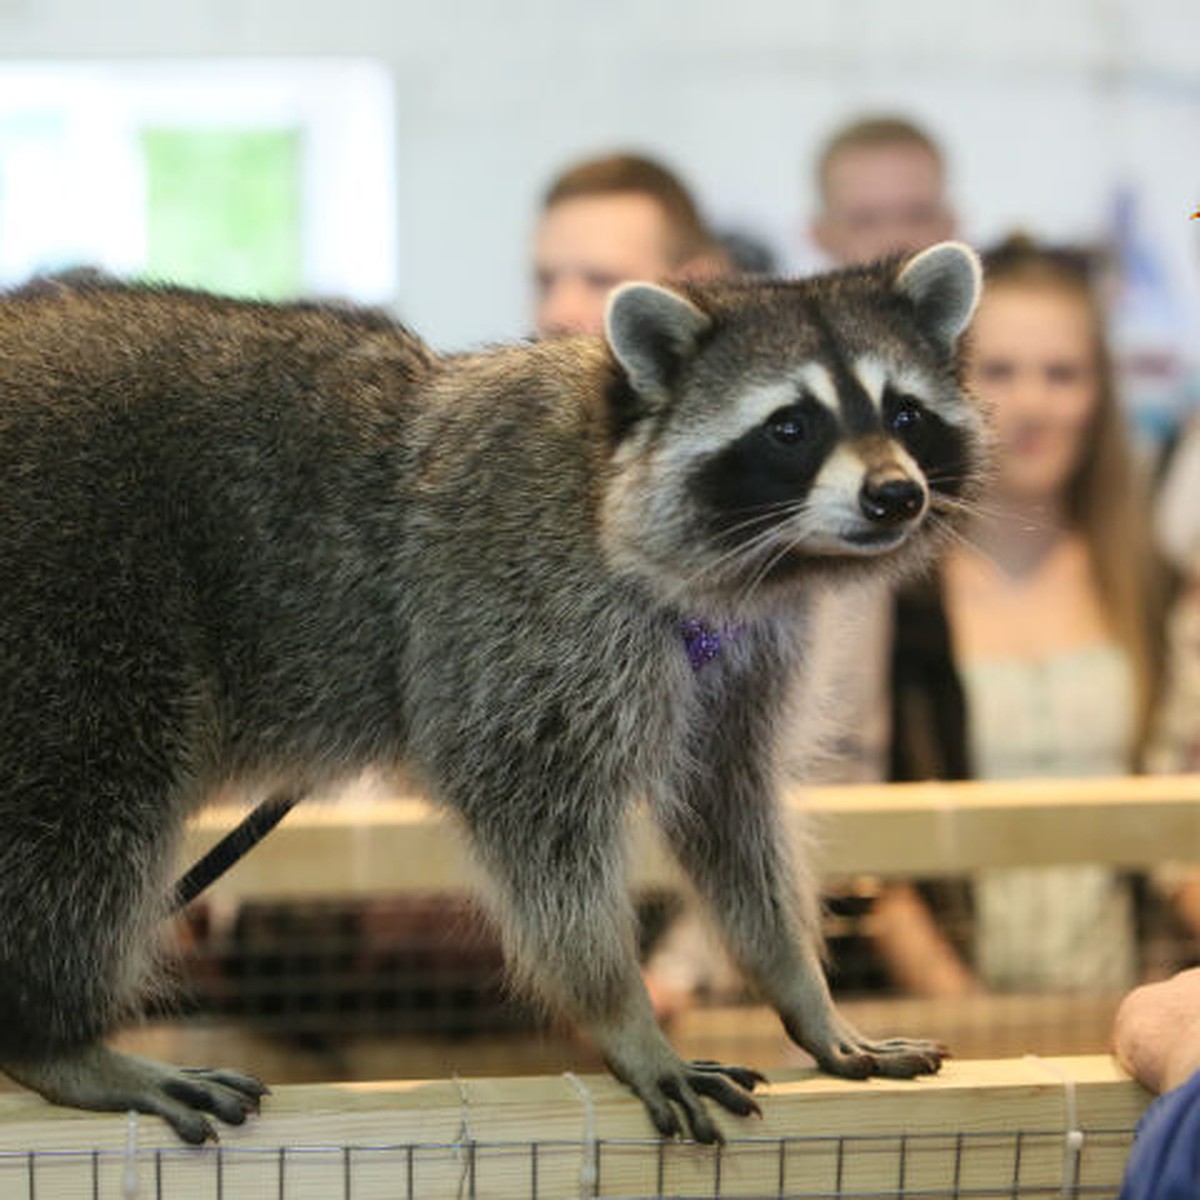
(703,642)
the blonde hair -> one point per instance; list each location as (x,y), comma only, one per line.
(1106,499)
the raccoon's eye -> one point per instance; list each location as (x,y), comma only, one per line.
(907,415)
(787,426)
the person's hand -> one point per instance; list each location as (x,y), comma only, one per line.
(1156,1033)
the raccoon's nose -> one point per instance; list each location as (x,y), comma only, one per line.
(891,499)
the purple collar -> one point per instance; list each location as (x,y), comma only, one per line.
(703,641)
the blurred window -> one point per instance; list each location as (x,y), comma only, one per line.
(267,178)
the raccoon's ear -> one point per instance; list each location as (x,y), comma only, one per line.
(652,332)
(943,284)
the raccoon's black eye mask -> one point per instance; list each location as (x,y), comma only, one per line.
(937,446)
(903,414)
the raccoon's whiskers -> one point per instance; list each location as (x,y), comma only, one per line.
(743,555)
(774,512)
(769,516)
(976,508)
(958,535)
(956,505)
(766,566)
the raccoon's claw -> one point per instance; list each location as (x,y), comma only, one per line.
(102,1079)
(746,1078)
(729,1086)
(226,1094)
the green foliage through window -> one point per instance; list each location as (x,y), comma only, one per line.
(223,209)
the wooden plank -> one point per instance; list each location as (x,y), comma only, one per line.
(997,1124)
(944,828)
(987,1025)
(403,844)
(982,1026)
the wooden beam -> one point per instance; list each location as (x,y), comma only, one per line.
(951,828)
(403,844)
(988,1127)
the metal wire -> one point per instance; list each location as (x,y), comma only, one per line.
(967,1166)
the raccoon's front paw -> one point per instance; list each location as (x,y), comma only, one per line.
(893,1058)
(192,1091)
(105,1080)
(850,1055)
(680,1087)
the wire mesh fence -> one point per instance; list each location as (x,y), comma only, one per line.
(433,964)
(355,918)
(1020,1165)
(427,964)
(380,965)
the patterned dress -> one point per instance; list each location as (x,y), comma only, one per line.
(1069,715)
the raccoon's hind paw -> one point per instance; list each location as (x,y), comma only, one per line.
(681,1089)
(105,1080)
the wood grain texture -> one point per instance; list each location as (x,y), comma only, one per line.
(979,1124)
(403,844)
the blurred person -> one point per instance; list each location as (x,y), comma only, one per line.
(605,220)
(1032,652)
(881,185)
(881,182)
(610,219)
(1175,741)
(1174,746)
(1156,1038)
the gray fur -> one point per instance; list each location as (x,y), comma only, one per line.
(282,543)
(652,331)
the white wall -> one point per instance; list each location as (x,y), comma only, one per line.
(1043,108)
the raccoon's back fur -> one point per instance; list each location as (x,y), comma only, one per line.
(247,542)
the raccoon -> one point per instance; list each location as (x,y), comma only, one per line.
(276,544)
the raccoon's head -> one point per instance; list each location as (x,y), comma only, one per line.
(768,431)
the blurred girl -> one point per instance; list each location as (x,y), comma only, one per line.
(1031,654)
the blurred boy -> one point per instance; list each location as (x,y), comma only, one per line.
(606,220)
(882,188)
